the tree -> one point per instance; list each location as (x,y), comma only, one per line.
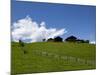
(50,40)
(21,43)
(44,40)
(58,39)
(80,41)
(86,41)
(71,39)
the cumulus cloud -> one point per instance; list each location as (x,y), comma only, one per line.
(29,30)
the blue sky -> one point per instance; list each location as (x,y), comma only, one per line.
(78,20)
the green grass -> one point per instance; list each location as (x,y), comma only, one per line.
(33,62)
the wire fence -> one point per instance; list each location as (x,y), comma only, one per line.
(67,59)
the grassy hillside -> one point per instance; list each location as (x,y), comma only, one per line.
(50,56)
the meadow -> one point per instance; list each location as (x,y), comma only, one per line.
(52,57)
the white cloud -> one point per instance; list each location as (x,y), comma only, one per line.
(30,31)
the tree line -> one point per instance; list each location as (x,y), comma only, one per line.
(68,39)
(59,39)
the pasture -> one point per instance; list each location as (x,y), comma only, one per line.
(52,57)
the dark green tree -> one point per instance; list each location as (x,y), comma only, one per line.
(58,39)
(86,41)
(71,39)
(50,40)
(21,43)
(44,40)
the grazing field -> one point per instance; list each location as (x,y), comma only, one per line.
(51,57)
